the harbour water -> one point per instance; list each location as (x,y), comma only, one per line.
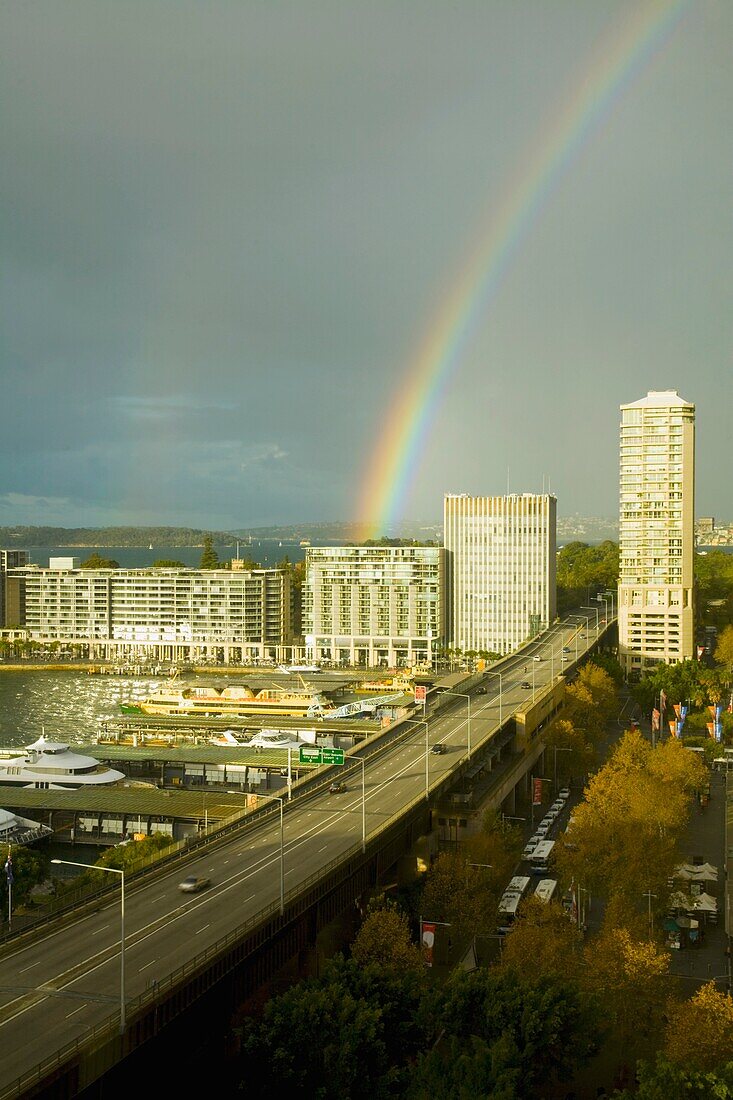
(65,706)
(266,552)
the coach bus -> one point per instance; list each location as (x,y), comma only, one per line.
(546,888)
(539,861)
(509,903)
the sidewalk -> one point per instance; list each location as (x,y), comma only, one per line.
(706,838)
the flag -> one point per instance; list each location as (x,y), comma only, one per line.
(677,709)
(674,727)
(9,869)
(662,701)
(655,719)
(427,938)
(711,729)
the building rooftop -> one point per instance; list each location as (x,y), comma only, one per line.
(661,399)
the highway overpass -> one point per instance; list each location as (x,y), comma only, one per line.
(191,958)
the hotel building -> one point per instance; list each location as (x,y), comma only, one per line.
(656,531)
(165,614)
(500,567)
(373,605)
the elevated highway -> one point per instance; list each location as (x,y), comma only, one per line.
(273,885)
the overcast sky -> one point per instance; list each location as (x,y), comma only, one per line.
(227,227)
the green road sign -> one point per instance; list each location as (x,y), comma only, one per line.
(312,754)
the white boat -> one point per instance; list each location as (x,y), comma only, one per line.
(273,739)
(50,765)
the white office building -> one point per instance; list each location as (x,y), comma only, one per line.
(656,531)
(166,614)
(501,567)
(373,605)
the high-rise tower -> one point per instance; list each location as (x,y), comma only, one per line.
(656,531)
(500,564)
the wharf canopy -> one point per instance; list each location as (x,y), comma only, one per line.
(51,765)
(166,614)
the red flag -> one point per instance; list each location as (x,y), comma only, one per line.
(537,793)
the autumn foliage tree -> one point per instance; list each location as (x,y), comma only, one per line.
(700,1030)
(384,938)
(625,834)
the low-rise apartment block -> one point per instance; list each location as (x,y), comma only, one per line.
(165,614)
(373,605)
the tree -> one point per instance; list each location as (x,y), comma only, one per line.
(699,1034)
(167,563)
(30,868)
(461,896)
(384,938)
(724,651)
(209,556)
(350,1033)
(630,978)
(543,942)
(507,1035)
(663,1080)
(94,561)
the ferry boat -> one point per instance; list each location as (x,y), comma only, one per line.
(52,766)
(211,702)
(393,683)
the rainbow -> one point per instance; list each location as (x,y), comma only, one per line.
(393,462)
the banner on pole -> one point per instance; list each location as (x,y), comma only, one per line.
(427,939)
(421,693)
(537,792)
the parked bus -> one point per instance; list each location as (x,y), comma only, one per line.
(509,903)
(540,859)
(546,888)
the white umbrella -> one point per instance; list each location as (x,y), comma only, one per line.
(705,903)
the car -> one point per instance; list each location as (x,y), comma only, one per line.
(337,787)
(529,848)
(536,657)
(481,691)
(558,806)
(193,883)
(566,649)
(564,793)
(582,635)
(526,685)
(542,831)
(439,748)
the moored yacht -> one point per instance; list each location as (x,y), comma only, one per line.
(51,765)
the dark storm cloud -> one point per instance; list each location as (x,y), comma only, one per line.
(225,228)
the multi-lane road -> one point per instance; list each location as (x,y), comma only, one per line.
(57,987)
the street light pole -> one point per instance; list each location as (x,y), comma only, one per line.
(556,750)
(649,895)
(112,871)
(277,798)
(587,607)
(464,695)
